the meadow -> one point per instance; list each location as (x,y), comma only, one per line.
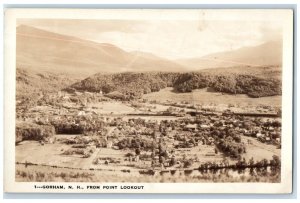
(204,96)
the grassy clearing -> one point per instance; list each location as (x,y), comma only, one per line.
(113,106)
(202,96)
(259,150)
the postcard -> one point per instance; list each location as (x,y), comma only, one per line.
(148,100)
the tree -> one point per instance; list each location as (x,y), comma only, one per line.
(161,159)
(216,150)
(172,161)
(137,151)
(276,161)
(188,163)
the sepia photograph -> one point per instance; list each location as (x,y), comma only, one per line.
(149,96)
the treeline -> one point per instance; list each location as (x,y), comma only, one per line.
(134,85)
(274,163)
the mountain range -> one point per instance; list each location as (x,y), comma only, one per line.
(41,50)
(266,54)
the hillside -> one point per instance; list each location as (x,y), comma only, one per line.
(269,53)
(32,85)
(41,50)
(47,62)
(134,85)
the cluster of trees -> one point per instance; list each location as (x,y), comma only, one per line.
(228,133)
(230,147)
(32,131)
(77,125)
(253,86)
(134,85)
(139,143)
(274,163)
(86,153)
(68,128)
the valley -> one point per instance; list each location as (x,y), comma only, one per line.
(88,111)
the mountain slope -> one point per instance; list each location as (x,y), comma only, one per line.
(42,50)
(269,53)
(32,85)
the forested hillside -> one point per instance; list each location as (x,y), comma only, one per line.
(32,85)
(133,85)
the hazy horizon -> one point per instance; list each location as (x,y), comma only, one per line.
(168,39)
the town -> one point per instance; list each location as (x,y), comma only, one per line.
(94,131)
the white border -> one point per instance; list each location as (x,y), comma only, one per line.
(9,110)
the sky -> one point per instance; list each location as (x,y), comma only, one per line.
(172,39)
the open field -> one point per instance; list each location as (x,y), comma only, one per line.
(259,150)
(202,96)
(111,107)
(52,154)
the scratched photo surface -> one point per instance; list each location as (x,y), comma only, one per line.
(148,100)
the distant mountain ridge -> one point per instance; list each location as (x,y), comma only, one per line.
(42,50)
(266,54)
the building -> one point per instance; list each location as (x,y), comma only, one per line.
(191,127)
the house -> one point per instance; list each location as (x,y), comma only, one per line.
(259,135)
(136,158)
(204,126)
(210,154)
(109,144)
(51,140)
(278,140)
(190,127)
(81,113)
